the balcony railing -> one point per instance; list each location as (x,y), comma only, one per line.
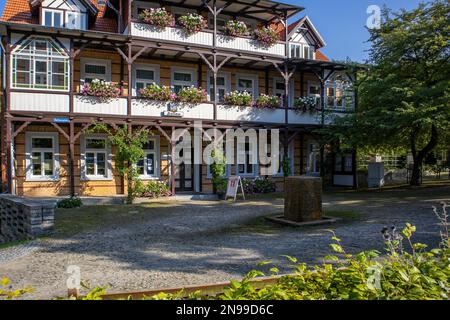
(205,38)
(59,103)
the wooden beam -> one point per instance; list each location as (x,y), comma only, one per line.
(18,130)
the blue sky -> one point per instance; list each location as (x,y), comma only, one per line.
(341,23)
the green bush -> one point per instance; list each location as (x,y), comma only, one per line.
(153,189)
(69,203)
(218,170)
(258,185)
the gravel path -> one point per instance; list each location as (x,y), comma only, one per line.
(206,242)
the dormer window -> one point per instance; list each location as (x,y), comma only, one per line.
(53,18)
(70,14)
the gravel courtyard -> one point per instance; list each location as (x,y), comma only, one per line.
(167,244)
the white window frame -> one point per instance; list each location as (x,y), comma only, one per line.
(142,66)
(53,11)
(156,158)
(310,53)
(98,62)
(244,153)
(252,77)
(82,20)
(29,154)
(226,87)
(318,96)
(38,56)
(291,89)
(108,158)
(313,152)
(191,71)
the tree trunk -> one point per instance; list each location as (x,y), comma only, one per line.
(418,157)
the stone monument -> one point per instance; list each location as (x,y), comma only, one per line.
(303,198)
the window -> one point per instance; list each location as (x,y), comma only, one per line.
(149,166)
(302,51)
(247,158)
(75,20)
(314,91)
(223,86)
(343,163)
(144,76)
(95,69)
(221,23)
(40,64)
(313,163)
(52,18)
(42,156)
(96,158)
(183,78)
(247,84)
(278,90)
(340,93)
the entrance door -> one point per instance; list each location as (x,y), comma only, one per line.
(184,176)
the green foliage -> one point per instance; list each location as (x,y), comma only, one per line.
(218,170)
(158,93)
(192,23)
(286,166)
(7,293)
(405,94)
(266,101)
(69,203)
(236,98)
(151,189)
(129,151)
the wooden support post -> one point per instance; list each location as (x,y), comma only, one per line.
(266,81)
(72,75)
(172,162)
(9,165)
(71,158)
(302,146)
(129,65)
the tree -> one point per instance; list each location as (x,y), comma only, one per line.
(129,146)
(404,94)
(218,170)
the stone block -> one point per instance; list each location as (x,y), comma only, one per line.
(303,198)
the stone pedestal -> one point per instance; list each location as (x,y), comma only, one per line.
(303,198)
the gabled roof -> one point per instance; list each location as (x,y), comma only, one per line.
(19,11)
(87,3)
(293,27)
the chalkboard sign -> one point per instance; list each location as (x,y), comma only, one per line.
(234,182)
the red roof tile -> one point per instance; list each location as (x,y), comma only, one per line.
(321,56)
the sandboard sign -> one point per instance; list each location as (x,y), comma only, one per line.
(234,182)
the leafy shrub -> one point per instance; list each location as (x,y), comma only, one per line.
(286,167)
(218,169)
(158,93)
(192,95)
(266,101)
(192,23)
(157,17)
(266,36)
(236,98)
(104,90)
(9,294)
(153,189)
(69,203)
(305,104)
(236,28)
(258,185)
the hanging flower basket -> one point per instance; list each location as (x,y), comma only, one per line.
(192,23)
(236,98)
(192,95)
(306,104)
(158,93)
(266,36)
(266,101)
(236,28)
(105,91)
(158,18)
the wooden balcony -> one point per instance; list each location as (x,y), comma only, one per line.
(59,103)
(205,39)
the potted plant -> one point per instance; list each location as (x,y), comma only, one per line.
(101,89)
(305,104)
(236,28)
(192,23)
(192,95)
(237,98)
(266,101)
(157,17)
(266,36)
(158,93)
